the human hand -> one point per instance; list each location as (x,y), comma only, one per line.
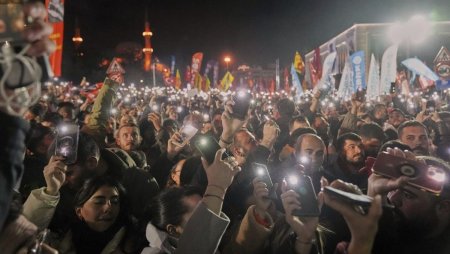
(379,185)
(261,194)
(55,175)
(230,125)
(363,228)
(155,118)
(172,148)
(270,134)
(221,172)
(17,235)
(304,227)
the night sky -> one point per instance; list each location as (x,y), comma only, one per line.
(251,31)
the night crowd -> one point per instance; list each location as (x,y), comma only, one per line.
(156,170)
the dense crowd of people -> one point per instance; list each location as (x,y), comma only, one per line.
(159,170)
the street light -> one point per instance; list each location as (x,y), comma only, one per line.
(227,60)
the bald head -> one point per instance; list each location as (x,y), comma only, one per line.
(310,151)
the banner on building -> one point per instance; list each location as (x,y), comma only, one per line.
(359,70)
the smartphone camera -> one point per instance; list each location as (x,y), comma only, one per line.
(407,170)
(67,142)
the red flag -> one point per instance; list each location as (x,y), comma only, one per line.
(272,86)
(188,75)
(55,11)
(316,67)
(287,87)
(196,64)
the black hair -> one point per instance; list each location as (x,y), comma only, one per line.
(411,123)
(398,110)
(52,117)
(286,107)
(301,119)
(340,141)
(91,185)
(168,207)
(38,110)
(36,135)
(372,130)
(299,132)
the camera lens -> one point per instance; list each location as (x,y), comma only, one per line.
(408,170)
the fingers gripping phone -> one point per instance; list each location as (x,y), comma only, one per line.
(302,184)
(242,100)
(361,203)
(67,142)
(421,176)
(187,132)
(208,146)
(260,170)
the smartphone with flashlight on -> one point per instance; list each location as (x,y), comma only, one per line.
(303,186)
(260,170)
(187,132)
(66,145)
(208,146)
(242,100)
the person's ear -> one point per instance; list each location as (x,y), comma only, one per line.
(78,213)
(91,163)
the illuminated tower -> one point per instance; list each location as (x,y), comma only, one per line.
(77,40)
(148,50)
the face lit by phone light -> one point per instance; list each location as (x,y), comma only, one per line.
(128,138)
(101,210)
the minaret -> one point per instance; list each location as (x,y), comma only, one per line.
(148,50)
(77,39)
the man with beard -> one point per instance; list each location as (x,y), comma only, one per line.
(379,114)
(128,138)
(414,134)
(372,136)
(420,222)
(350,160)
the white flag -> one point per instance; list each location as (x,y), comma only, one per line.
(388,68)
(373,83)
(346,85)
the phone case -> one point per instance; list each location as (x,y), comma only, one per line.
(308,198)
(422,176)
(187,132)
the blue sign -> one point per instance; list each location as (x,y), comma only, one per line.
(442,84)
(359,70)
